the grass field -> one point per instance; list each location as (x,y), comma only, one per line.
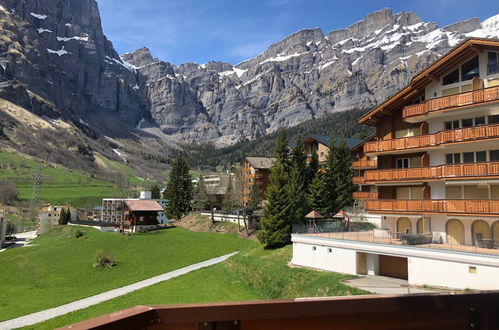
(252,274)
(58,269)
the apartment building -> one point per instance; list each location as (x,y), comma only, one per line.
(431,171)
(255,170)
(319,144)
(113,209)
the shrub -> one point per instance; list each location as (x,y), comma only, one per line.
(8,192)
(79,233)
(104,259)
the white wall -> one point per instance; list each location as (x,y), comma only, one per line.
(452,274)
(372,263)
(338,260)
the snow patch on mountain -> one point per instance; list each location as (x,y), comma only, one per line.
(59,52)
(39,16)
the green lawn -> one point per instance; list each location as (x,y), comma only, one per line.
(252,274)
(74,196)
(58,269)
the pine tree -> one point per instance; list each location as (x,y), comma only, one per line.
(255,196)
(201,199)
(344,175)
(62,217)
(179,190)
(282,151)
(155,192)
(68,216)
(317,195)
(330,181)
(298,184)
(275,227)
(312,168)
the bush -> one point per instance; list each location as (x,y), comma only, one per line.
(104,259)
(11,229)
(79,233)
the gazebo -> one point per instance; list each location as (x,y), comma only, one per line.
(311,221)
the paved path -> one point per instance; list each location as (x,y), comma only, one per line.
(23,239)
(384,285)
(48,314)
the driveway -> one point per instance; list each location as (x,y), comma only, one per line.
(384,285)
(23,239)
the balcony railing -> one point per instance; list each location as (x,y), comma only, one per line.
(452,101)
(365,195)
(358,179)
(453,171)
(365,163)
(434,140)
(433,206)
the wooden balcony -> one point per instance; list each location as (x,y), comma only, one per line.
(434,206)
(442,172)
(365,163)
(481,96)
(358,179)
(469,134)
(365,195)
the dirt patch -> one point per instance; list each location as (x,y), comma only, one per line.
(198,222)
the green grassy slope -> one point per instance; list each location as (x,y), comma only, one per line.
(252,274)
(58,268)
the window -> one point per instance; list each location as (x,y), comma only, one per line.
(472,269)
(451,78)
(314,248)
(453,158)
(329,250)
(467,122)
(470,69)
(479,121)
(481,156)
(493,63)
(494,155)
(468,157)
(494,119)
(403,163)
(452,124)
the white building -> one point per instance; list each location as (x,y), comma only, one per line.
(431,172)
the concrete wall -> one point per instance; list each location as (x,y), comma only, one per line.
(225,217)
(327,258)
(452,274)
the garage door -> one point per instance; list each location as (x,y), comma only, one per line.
(393,267)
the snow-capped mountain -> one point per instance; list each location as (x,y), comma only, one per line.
(304,76)
(56,54)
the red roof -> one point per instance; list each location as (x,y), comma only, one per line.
(314,215)
(143,205)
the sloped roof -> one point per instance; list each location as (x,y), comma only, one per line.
(260,162)
(143,205)
(461,53)
(314,215)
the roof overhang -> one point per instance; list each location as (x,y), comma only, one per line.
(462,53)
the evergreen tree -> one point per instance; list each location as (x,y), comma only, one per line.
(68,216)
(312,168)
(201,199)
(275,226)
(179,190)
(62,217)
(231,201)
(298,183)
(330,181)
(255,196)
(282,151)
(344,174)
(155,192)
(317,195)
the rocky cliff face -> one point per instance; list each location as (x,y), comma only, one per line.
(304,76)
(56,61)
(56,49)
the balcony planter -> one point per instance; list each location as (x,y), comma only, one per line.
(415,239)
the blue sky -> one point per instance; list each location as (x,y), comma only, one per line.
(231,31)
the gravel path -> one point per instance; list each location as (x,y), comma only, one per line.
(48,314)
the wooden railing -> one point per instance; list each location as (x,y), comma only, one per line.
(365,195)
(365,163)
(452,101)
(436,172)
(434,140)
(358,179)
(485,207)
